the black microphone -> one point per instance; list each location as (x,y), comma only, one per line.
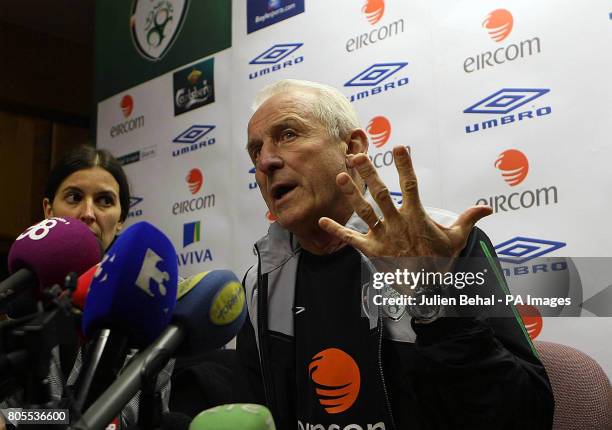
(216,297)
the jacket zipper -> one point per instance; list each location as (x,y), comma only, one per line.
(262,326)
(382,374)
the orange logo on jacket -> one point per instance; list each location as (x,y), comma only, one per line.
(499,24)
(337,379)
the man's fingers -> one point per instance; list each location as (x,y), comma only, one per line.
(361,206)
(346,235)
(471,216)
(377,187)
(407,177)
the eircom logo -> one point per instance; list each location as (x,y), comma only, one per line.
(195,179)
(513,165)
(127,105)
(374,76)
(379,129)
(532,319)
(498,24)
(374,10)
(504,102)
(337,379)
(278,57)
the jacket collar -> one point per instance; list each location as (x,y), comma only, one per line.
(279,245)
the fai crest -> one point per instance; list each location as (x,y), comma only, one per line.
(155,24)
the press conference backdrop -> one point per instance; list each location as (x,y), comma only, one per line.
(505,103)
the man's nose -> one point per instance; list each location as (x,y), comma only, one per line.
(86,213)
(269,160)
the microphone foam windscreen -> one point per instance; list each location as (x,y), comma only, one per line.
(53,248)
(134,289)
(244,416)
(211,308)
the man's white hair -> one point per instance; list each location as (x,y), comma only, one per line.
(330,107)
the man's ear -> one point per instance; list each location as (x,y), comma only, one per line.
(47,208)
(358,142)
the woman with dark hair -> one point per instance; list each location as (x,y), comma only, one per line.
(89,184)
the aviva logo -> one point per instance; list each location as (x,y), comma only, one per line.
(191,233)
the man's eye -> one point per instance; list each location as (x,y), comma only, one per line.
(255,150)
(287,135)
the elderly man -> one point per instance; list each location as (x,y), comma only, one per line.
(312,349)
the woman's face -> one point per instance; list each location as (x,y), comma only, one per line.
(92,196)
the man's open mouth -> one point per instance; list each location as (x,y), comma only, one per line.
(280,191)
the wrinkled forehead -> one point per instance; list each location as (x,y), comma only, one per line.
(296,103)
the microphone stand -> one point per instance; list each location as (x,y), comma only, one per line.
(150,404)
(146,363)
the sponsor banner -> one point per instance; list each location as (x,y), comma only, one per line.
(135,207)
(514,167)
(499,24)
(377,79)
(194,86)
(498,104)
(373,28)
(138,40)
(277,57)
(193,139)
(508,106)
(200,199)
(262,13)
(136,156)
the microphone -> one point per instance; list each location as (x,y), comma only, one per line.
(135,287)
(79,295)
(220,293)
(46,252)
(210,302)
(244,416)
(130,301)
